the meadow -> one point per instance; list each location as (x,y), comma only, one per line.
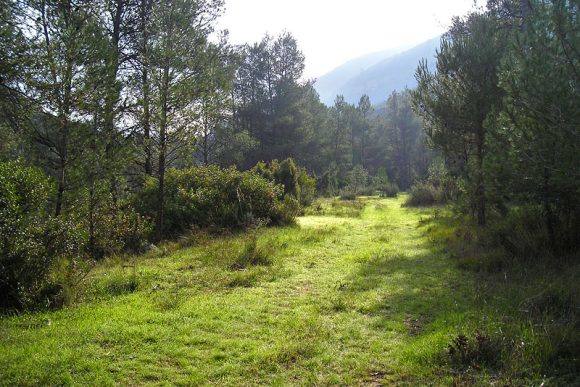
(364,292)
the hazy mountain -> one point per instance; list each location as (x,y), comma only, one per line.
(328,84)
(376,74)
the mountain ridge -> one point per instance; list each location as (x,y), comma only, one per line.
(377,77)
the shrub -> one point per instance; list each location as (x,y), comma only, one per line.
(119,230)
(287,211)
(214,197)
(295,180)
(31,242)
(523,234)
(307,185)
(423,194)
(383,186)
(388,190)
(440,179)
(347,194)
(357,181)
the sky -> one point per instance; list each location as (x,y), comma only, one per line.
(330,32)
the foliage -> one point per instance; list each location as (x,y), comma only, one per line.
(423,194)
(119,230)
(295,180)
(362,272)
(214,197)
(30,241)
(381,183)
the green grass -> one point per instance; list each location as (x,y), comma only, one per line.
(367,295)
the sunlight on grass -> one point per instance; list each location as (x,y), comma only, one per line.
(334,300)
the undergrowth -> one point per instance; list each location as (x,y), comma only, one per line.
(528,299)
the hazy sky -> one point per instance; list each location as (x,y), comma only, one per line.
(331,32)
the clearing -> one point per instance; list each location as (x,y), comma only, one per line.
(358,293)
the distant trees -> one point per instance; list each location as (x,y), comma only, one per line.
(271,102)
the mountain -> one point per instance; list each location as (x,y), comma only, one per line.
(328,84)
(376,75)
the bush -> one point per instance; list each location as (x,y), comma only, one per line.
(357,181)
(287,211)
(214,197)
(119,230)
(388,190)
(31,242)
(347,194)
(523,234)
(307,185)
(383,186)
(423,194)
(295,180)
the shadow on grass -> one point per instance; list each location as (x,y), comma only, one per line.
(442,307)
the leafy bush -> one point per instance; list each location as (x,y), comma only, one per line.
(383,186)
(31,242)
(523,234)
(307,185)
(214,197)
(442,181)
(287,210)
(356,182)
(119,230)
(347,194)
(388,190)
(423,194)
(295,180)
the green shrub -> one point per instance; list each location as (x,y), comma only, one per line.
(31,242)
(347,194)
(523,234)
(388,190)
(214,197)
(307,185)
(119,230)
(439,188)
(295,180)
(287,210)
(381,184)
(356,182)
(423,194)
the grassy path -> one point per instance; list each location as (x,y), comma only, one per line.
(360,299)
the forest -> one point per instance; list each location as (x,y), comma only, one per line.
(176,208)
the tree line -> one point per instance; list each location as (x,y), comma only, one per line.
(502,107)
(103,94)
(124,122)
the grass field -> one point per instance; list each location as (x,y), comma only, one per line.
(354,294)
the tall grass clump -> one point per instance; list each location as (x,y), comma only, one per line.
(252,254)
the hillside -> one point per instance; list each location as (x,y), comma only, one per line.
(376,75)
(327,85)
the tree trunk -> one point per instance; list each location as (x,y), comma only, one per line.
(145,10)
(548,212)
(480,194)
(162,150)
